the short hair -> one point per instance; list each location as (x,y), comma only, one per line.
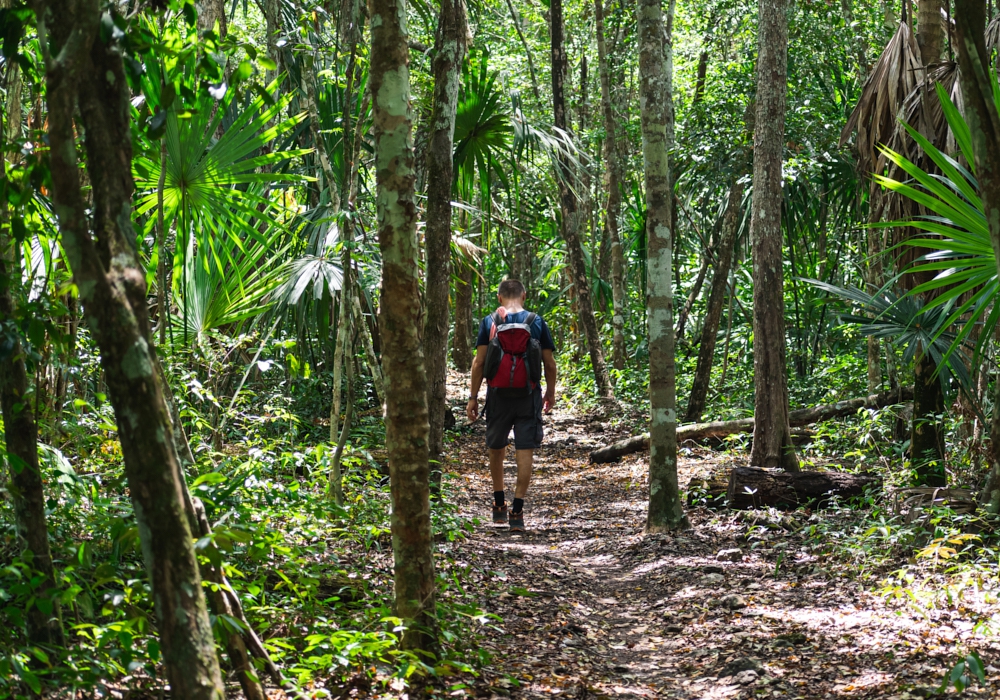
(511,289)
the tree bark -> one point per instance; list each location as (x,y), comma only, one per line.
(449,50)
(20,428)
(930,31)
(772,444)
(716,299)
(112,286)
(211,12)
(927,431)
(461,353)
(720,429)
(655,64)
(272,28)
(614,196)
(984,127)
(757,488)
(27,489)
(405,380)
(572,218)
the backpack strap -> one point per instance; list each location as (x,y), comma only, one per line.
(496,322)
(531,318)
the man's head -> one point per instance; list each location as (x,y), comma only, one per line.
(511,290)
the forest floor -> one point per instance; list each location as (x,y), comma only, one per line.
(593,608)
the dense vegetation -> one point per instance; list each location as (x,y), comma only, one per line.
(242,246)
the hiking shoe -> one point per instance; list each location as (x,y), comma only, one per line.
(500,514)
(516,522)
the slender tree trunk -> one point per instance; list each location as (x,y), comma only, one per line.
(716,300)
(272,27)
(402,357)
(342,349)
(875,281)
(927,433)
(461,353)
(572,218)
(655,64)
(984,127)
(449,51)
(516,18)
(20,429)
(112,287)
(772,437)
(707,258)
(614,202)
(27,490)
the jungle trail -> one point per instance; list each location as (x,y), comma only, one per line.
(499,349)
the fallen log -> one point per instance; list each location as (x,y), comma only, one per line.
(720,429)
(750,487)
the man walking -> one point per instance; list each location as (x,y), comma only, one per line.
(512,346)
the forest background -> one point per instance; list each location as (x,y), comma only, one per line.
(299,205)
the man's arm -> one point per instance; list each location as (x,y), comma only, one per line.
(549,362)
(472,408)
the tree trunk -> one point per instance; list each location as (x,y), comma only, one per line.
(402,358)
(448,53)
(112,287)
(930,31)
(272,27)
(614,202)
(772,444)
(716,300)
(707,256)
(927,432)
(721,429)
(211,12)
(27,490)
(984,127)
(20,429)
(665,511)
(572,218)
(516,18)
(757,488)
(461,353)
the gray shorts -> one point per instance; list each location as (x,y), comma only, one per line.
(523,414)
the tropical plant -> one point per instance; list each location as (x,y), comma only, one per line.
(905,320)
(960,256)
(216,197)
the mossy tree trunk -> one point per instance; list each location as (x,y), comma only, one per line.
(82,71)
(655,64)
(449,50)
(402,357)
(772,436)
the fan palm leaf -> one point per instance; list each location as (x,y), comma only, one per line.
(959,257)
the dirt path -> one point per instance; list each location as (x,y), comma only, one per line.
(592,608)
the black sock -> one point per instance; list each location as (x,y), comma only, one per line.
(498,498)
(518,505)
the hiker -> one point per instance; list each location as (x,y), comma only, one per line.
(512,347)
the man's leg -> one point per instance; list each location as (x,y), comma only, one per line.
(496,468)
(524,463)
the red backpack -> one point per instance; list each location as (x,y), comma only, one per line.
(513,358)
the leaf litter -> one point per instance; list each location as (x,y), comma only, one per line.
(591,607)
